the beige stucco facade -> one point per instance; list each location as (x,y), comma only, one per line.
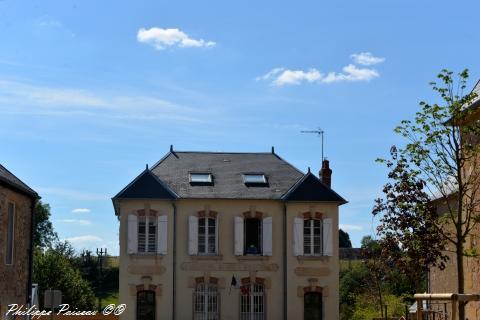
(173,279)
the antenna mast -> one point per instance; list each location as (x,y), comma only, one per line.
(318,132)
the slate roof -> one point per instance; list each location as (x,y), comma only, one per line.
(169,178)
(227,170)
(146,186)
(310,188)
(9,179)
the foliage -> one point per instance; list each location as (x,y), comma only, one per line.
(44,236)
(344,239)
(53,268)
(407,228)
(440,158)
(365,309)
(372,283)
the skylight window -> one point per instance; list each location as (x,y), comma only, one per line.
(254,178)
(204,178)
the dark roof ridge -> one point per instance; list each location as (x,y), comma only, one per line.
(302,179)
(21,186)
(149,172)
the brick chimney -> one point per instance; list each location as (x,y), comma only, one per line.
(325,173)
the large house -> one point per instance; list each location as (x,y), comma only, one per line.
(17,202)
(442,281)
(212,235)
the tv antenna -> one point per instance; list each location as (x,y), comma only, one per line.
(319,132)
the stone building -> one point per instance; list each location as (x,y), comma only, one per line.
(17,202)
(207,235)
(445,281)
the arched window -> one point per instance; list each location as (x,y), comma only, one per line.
(252,302)
(312,237)
(312,306)
(146,305)
(206,302)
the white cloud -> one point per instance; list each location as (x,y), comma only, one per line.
(351,73)
(77,221)
(282,76)
(294,77)
(162,38)
(84,239)
(366,58)
(350,227)
(81,210)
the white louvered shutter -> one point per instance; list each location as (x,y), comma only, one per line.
(327,237)
(238,250)
(267,236)
(298,237)
(132,234)
(192,235)
(162,237)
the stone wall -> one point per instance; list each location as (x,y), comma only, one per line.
(14,278)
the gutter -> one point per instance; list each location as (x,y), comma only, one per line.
(285,261)
(174,253)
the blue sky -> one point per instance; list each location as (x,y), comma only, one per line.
(91,91)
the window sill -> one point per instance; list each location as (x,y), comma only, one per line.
(314,258)
(252,258)
(207,257)
(146,255)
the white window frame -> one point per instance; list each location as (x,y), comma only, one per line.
(194,175)
(311,237)
(205,235)
(149,238)
(10,250)
(257,178)
(206,297)
(256,297)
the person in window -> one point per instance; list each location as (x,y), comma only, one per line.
(252,249)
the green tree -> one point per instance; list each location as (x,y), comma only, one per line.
(344,239)
(53,269)
(442,149)
(407,229)
(44,236)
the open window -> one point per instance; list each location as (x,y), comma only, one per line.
(253,236)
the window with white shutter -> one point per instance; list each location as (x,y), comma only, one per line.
(298,237)
(207,235)
(192,235)
(132,234)
(328,237)
(267,236)
(312,237)
(238,233)
(147,235)
(162,234)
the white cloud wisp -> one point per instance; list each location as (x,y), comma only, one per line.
(161,39)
